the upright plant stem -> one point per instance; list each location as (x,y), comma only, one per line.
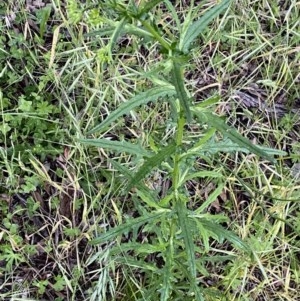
(179,137)
(178,82)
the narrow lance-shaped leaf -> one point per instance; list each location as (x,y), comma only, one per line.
(216,122)
(119,146)
(144,248)
(127,29)
(141,190)
(167,273)
(152,162)
(126,260)
(170,6)
(228,146)
(178,82)
(126,227)
(117,32)
(225,234)
(167,278)
(242,141)
(148,6)
(202,174)
(126,107)
(196,28)
(211,198)
(45,14)
(187,235)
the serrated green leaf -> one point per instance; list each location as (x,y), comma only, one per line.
(216,218)
(225,234)
(147,197)
(148,6)
(126,107)
(230,132)
(213,147)
(242,141)
(127,226)
(205,235)
(165,202)
(203,174)
(178,82)
(150,163)
(140,264)
(128,28)
(197,27)
(217,258)
(142,191)
(113,38)
(167,283)
(228,146)
(187,235)
(119,146)
(272,151)
(138,248)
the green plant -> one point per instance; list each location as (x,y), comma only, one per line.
(176,204)
(179,235)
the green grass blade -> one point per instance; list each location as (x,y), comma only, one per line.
(196,28)
(178,82)
(152,162)
(126,107)
(122,169)
(128,226)
(172,10)
(119,146)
